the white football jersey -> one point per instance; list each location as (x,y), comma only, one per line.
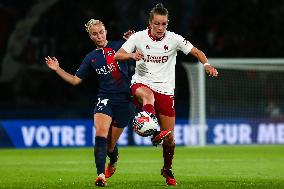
(157,68)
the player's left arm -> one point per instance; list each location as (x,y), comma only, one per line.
(203,59)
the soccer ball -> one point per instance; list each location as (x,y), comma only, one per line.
(145,124)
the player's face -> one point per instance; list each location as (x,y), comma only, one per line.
(158,25)
(98,34)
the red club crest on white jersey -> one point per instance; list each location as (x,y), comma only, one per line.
(166,48)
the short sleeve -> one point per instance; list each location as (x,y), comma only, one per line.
(84,69)
(130,45)
(182,44)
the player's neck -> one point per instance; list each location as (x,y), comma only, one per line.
(102,46)
(153,37)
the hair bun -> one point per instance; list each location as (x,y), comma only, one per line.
(159,5)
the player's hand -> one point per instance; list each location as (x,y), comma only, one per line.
(52,63)
(127,34)
(138,55)
(211,71)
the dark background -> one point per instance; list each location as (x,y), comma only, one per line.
(220,28)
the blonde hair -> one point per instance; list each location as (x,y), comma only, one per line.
(92,22)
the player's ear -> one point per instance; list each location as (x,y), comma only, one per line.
(106,32)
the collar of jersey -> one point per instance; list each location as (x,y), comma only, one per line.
(153,37)
(101,48)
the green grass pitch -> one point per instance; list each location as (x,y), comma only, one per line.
(139,167)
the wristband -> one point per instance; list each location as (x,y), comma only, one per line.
(206,64)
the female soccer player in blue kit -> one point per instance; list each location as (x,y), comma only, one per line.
(114,108)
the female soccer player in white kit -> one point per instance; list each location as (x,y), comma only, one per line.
(155,50)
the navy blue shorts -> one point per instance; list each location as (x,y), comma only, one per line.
(122,112)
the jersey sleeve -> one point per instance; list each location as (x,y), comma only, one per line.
(182,44)
(130,45)
(84,69)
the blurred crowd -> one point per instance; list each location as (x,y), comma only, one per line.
(245,28)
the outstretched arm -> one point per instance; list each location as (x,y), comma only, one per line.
(202,58)
(121,55)
(53,64)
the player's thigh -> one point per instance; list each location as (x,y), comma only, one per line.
(164,106)
(142,93)
(102,124)
(123,114)
(102,116)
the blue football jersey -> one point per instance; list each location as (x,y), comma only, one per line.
(114,77)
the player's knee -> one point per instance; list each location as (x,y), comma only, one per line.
(101,131)
(149,97)
(145,95)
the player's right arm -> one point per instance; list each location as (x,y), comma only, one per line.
(128,50)
(53,64)
(121,55)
